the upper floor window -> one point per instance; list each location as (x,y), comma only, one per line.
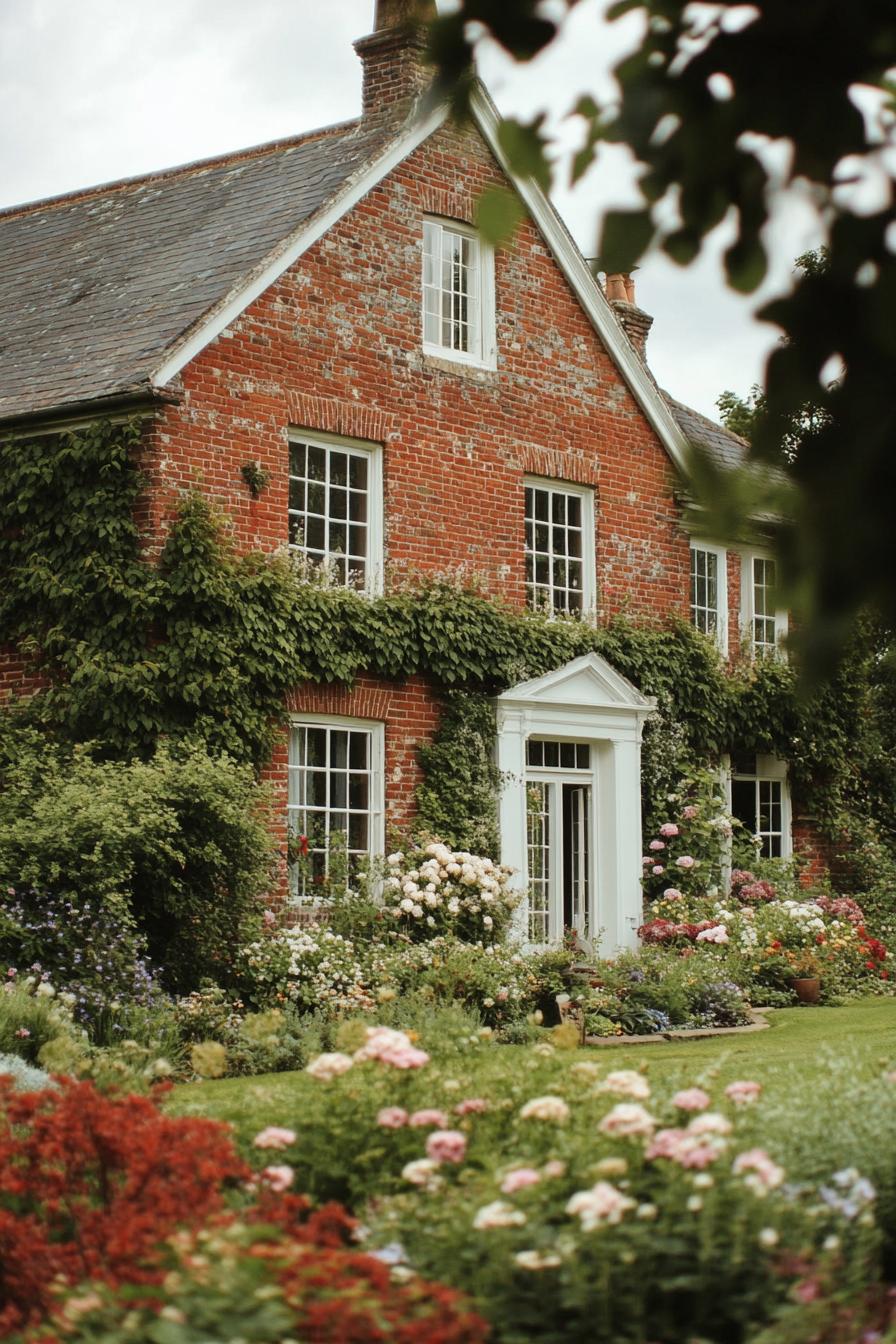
(559,548)
(335,509)
(765,622)
(458,317)
(709,591)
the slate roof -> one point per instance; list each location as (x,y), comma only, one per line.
(726,448)
(96,286)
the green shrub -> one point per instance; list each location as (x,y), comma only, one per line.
(181,839)
(31,1016)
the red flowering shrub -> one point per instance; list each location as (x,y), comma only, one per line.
(110,1209)
(750,890)
(660,932)
(90,1183)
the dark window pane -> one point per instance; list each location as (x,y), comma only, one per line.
(558,508)
(743,803)
(297,459)
(316,534)
(338,750)
(296,494)
(317,464)
(358,792)
(358,756)
(338,503)
(357,472)
(315,746)
(338,468)
(317,499)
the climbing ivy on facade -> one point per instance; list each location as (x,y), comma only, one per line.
(204,645)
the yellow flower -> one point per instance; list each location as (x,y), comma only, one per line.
(209,1059)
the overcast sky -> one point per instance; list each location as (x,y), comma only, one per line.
(93,90)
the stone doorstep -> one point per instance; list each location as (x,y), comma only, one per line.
(696,1034)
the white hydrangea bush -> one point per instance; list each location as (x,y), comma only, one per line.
(311,966)
(435,890)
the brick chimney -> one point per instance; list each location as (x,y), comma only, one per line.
(392,56)
(620,292)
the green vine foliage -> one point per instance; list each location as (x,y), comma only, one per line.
(204,645)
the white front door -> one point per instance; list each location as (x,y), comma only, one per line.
(560,830)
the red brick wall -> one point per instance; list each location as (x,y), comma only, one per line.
(410,712)
(335,345)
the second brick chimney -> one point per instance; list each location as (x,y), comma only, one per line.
(392,56)
(620,292)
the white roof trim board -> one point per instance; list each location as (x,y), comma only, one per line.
(546,219)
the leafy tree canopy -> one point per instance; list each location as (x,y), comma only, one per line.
(708,101)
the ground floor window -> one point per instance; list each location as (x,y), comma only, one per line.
(559,829)
(760,801)
(335,805)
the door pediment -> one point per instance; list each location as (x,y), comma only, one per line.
(588,682)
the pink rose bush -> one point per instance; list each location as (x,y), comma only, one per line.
(591,1177)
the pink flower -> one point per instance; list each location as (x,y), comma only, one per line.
(691,1099)
(422,1119)
(646,860)
(691,1151)
(689,812)
(23,1032)
(392,1117)
(668,829)
(671,894)
(656,844)
(762,1173)
(743,1092)
(274,1137)
(391,1047)
(657,869)
(279,1178)
(628,1119)
(685,861)
(446,1145)
(270,919)
(472,1106)
(519,1180)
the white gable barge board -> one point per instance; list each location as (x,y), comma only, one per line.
(546,219)
(586,288)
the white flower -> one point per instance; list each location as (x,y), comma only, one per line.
(768,1238)
(626,1083)
(498,1214)
(549,1108)
(537,1259)
(328,1066)
(45,990)
(422,1172)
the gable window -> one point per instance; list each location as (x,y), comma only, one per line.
(335,508)
(335,806)
(559,548)
(760,801)
(765,622)
(458,317)
(709,591)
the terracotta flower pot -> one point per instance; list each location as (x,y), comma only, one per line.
(807,990)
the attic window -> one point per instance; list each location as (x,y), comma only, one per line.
(458,317)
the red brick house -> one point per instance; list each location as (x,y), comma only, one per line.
(323,307)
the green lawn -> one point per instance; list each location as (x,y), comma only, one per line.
(806,1052)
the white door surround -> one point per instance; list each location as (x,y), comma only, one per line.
(585,701)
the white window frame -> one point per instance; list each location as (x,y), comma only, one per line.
(376,810)
(589,568)
(768,770)
(720,634)
(748,607)
(483,351)
(373,452)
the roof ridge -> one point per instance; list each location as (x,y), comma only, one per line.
(182,169)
